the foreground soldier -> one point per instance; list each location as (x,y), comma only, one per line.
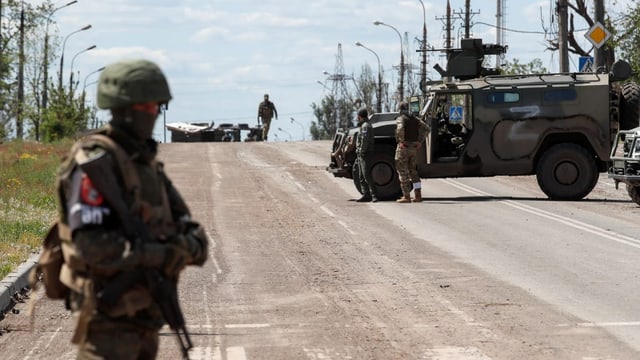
(410,133)
(118,257)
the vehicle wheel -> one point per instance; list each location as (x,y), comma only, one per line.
(634,193)
(384,173)
(567,172)
(630,106)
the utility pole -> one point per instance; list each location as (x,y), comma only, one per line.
(500,26)
(20,108)
(467,19)
(563,45)
(339,90)
(447,28)
(599,58)
(423,49)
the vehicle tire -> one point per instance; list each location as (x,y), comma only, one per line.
(567,172)
(630,106)
(383,172)
(634,193)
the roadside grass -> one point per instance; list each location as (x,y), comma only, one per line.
(27,198)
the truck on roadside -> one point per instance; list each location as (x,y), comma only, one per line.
(560,127)
(625,162)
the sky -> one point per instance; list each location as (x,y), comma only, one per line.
(222,56)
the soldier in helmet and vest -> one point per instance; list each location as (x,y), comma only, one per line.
(117,318)
(410,132)
(266,111)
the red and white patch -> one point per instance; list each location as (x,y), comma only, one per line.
(88,193)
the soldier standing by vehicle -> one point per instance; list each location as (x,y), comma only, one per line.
(410,132)
(364,151)
(266,111)
(111,271)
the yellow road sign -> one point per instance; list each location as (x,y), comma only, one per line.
(598,35)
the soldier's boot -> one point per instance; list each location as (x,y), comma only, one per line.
(404,199)
(418,195)
(365,198)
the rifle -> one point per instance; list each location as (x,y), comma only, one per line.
(164,291)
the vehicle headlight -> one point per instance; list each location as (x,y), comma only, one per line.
(619,164)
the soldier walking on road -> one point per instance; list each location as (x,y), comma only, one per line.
(266,111)
(107,267)
(364,151)
(410,133)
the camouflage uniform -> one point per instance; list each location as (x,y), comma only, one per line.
(96,249)
(266,111)
(410,133)
(364,151)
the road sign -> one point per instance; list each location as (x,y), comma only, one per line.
(585,63)
(455,114)
(598,35)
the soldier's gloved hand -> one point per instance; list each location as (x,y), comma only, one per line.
(169,258)
(153,255)
(194,240)
(176,258)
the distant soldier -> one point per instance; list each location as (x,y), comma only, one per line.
(113,273)
(410,132)
(266,111)
(364,151)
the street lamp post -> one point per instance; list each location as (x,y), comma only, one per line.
(423,67)
(71,67)
(286,132)
(84,88)
(379,106)
(401,85)
(301,126)
(64,43)
(45,89)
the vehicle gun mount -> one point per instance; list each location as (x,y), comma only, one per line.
(466,62)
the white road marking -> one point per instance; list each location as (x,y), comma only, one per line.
(236,353)
(604,324)
(455,353)
(329,212)
(611,235)
(346,226)
(243,326)
(295,182)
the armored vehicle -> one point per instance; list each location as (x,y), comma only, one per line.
(625,162)
(560,127)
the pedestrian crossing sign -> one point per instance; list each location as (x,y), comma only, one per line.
(585,63)
(455,114)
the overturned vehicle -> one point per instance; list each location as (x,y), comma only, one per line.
(559,127)
(203,132)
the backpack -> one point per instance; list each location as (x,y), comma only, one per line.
(49,265)
(51,260)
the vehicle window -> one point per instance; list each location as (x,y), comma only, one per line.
(503,97)
(557,95)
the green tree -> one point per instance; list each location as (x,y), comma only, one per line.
(514,67)
(629,38)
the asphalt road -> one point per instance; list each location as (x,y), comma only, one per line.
(483,269)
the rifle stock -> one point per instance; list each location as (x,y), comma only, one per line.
(164,291)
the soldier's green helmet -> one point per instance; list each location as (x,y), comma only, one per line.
(131,82)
